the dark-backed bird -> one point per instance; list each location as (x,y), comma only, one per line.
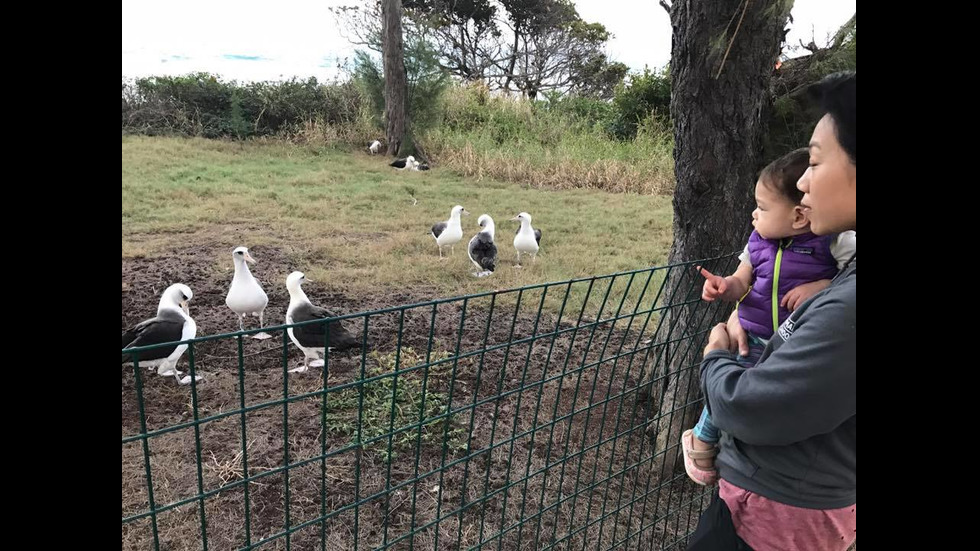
(482,250)
(172,323)
(312,337)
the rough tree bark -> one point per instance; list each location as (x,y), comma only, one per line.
(722,58)
(396,83)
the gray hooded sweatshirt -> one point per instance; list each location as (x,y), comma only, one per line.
(789,424)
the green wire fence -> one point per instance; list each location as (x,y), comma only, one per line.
(542,417)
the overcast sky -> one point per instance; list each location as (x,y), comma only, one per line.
(248,40)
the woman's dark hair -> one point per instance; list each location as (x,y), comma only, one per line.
(836,95)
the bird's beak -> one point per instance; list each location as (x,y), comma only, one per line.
(516,218)
(306,280)
(248,258)
(185,307)
(465,211)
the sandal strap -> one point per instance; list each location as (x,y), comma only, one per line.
(698,454)
(702,454)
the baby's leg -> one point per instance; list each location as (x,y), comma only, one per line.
(705,430)
(699,456)
(706,436)
(756,346)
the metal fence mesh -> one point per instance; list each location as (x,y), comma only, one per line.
(518,419)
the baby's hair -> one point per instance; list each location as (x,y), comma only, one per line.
(782,174)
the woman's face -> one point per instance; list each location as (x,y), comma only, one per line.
(830,183)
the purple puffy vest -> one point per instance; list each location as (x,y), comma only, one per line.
(789,262)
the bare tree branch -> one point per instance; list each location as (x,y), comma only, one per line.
(811,47)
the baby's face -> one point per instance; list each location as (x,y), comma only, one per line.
(774,214)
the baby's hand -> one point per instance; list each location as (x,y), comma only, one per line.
(798,295)
(714,286)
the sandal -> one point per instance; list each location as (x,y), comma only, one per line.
(700,475)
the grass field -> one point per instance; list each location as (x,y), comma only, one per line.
(360,231)
(348,220)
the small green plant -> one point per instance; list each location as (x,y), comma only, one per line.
(393,402)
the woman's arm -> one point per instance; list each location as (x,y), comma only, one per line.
(806,387)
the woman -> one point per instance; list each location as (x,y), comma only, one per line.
(787,458)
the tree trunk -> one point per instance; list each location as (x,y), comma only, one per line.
(720,121)
(513,61)
(396,84)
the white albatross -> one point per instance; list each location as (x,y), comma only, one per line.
(449,232)
(527,239)
(245,296)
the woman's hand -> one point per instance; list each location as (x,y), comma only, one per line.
(718,339)
(738,339)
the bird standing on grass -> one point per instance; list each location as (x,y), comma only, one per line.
(527,239)
(449,232)
(482,250)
